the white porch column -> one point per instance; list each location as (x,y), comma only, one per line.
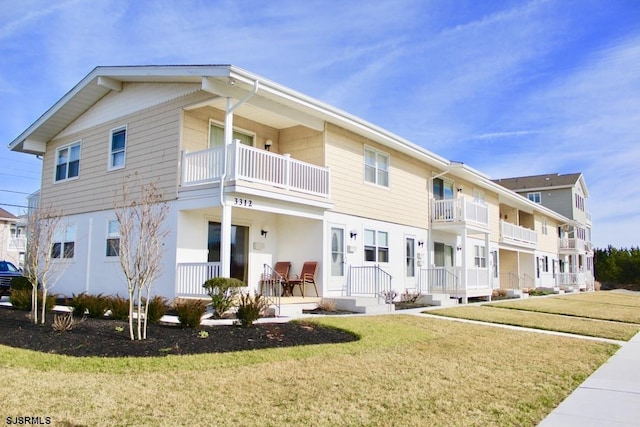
(463,277)
(226,218)
(487,254)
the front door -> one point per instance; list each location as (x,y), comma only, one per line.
(239,248)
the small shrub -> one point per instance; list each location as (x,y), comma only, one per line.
(119,307)
(21,283)
(158,307)
(250,308)
(64,322)
(389,296)
(223,292)
(189,312)
(327,305)
(203,334)
(20,299)
(409,297)
(93,305)
(499,293)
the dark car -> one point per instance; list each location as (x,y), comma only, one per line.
(7,272)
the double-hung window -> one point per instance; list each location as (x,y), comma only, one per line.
(113,238)
(480,256)
(68,162)
(117,148)
(376,246)
(535,197)
(64,242)
(376,167)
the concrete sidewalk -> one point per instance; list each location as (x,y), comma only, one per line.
(609,397)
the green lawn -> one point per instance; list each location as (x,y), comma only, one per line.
(606,305)
(550,322)
(406,370)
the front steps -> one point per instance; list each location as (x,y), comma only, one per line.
(441,300)
(366,305)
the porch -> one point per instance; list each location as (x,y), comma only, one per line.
(254,165)
(457,282)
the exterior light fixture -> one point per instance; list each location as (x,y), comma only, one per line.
(267,144)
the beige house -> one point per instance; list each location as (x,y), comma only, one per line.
(566,194)
(256,173)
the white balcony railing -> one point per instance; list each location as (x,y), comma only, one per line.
(572,244)
(18,244)
(459,210)
(254,165)
(517,234)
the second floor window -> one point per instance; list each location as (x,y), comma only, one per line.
(117,148)
(68,162)
(376,167)
(535,197)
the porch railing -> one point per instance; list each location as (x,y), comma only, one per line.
(271,286)
(573,244)
(438,280)
(477,278)
(516,233)
(459,210)
(192,275)
(18,244)
(368,281)
(255,165)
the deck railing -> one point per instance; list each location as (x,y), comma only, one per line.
(18,244)
(254,165)
(438,280)
(192,275)
(573,244)
(368,281)
(459,210)
(516,233)
(271,286)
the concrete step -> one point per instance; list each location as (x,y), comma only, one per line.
(442,300)
(367,305)
(294,310)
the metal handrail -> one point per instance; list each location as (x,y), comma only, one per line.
(271,286)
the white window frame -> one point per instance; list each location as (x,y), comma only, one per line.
(113,153)
(410,258)
(113,234)
(65,237)
(376,245)
(238,130)
(376,167)
(479,256)
(59,150)
(545,226)
(533,196)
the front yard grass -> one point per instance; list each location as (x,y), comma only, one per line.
(605,305)
(405,370)
(544,321)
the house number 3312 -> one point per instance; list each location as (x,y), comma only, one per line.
(242,202)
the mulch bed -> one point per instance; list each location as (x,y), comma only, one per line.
(99,337)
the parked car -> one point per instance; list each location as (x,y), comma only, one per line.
(7,272)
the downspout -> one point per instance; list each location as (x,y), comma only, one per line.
(228,133)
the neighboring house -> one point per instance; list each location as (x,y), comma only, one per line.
(566,194)
(12,238)
(256,173)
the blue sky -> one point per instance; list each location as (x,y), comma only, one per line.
(511,88)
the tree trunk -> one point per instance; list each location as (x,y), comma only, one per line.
(34,304)
(44,304)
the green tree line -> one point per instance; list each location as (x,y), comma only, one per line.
(617,266)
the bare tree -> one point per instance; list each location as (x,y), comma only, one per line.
(41,266)
(141,214)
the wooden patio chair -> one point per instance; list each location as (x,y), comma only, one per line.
(307,275)
(282,269)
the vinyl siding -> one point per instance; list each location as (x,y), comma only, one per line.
(405,201)
(152,152)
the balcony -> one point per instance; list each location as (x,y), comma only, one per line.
(257,166)
(574,246)
(459,211)
(515,234)
(18,244)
